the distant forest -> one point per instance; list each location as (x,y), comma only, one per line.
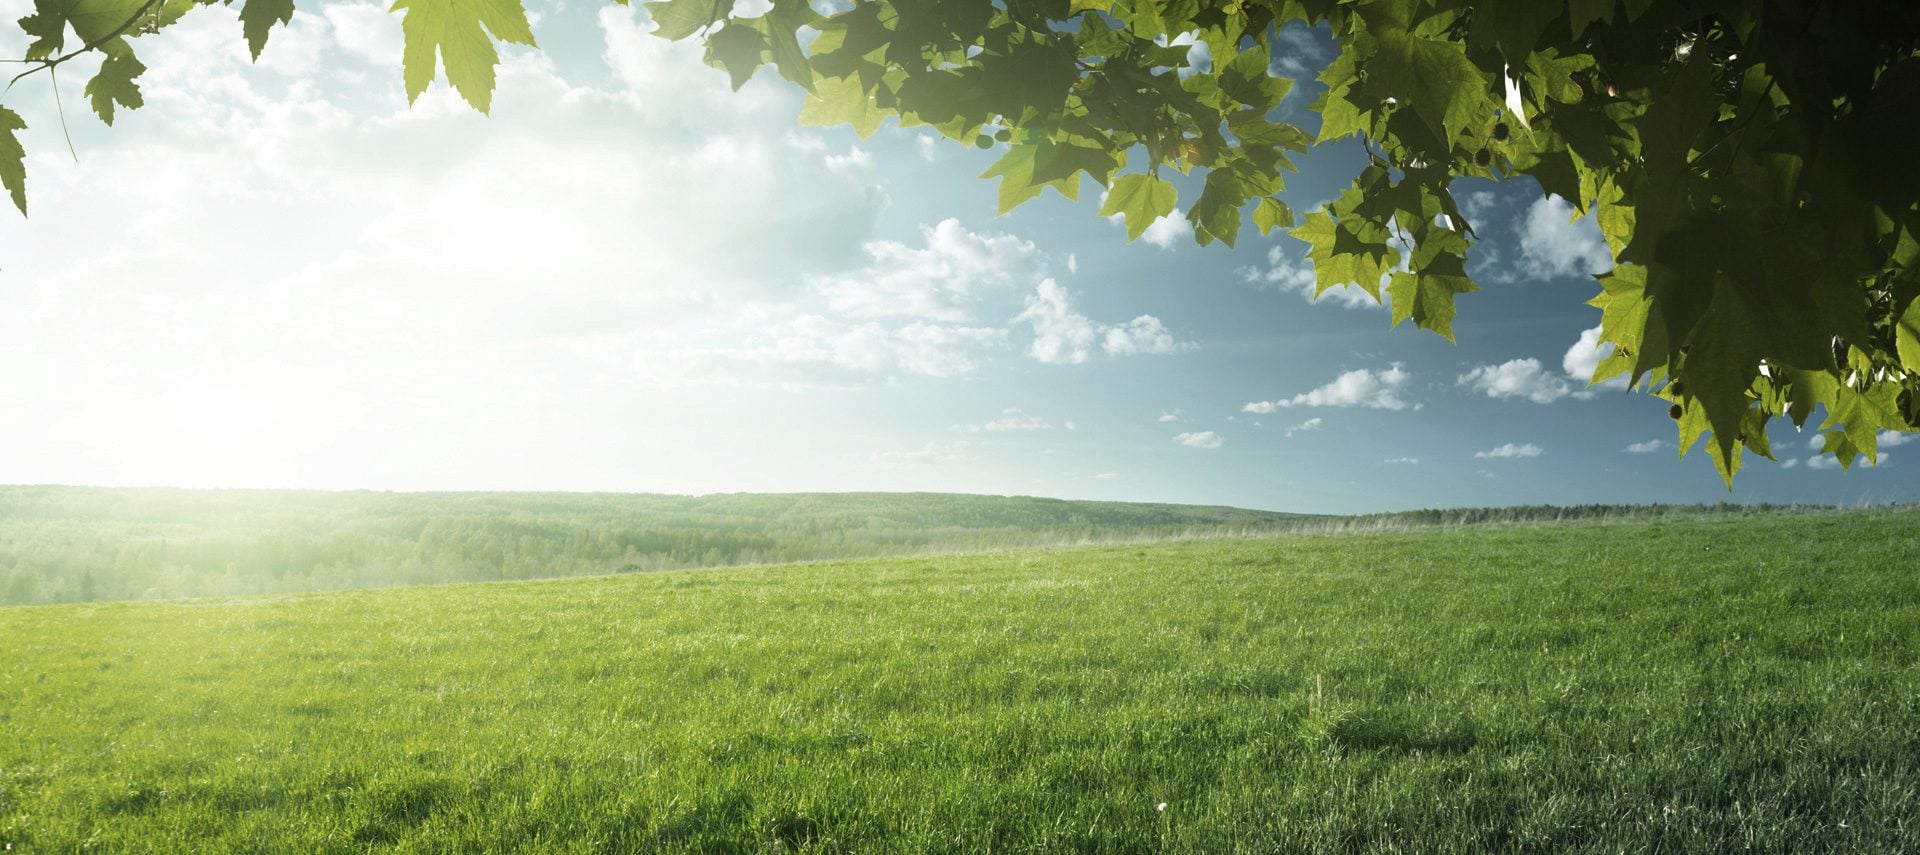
(71,544)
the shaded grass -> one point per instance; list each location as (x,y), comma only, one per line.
(1690,685)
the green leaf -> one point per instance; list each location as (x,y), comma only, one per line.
(1722,367)
(783,42)
(1433,76)
(678,19)
(457,31)
(1141,198)
(94,21)
(1907,337)
(114,81)
(1426,294)
(1580,13)
(1247,80)
(1860,414)
(47,26)
(1216,214)
(257,19)
(1341,256)
(13,158)
(841,101)
(1272,213)
(1514,26)
(737,47)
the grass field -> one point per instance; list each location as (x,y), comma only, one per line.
(1668,685)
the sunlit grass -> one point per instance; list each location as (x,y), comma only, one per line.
(1703,684)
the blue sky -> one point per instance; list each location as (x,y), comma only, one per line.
(629,278)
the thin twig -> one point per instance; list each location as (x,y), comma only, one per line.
(54,76)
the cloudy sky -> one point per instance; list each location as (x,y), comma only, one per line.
(629,278)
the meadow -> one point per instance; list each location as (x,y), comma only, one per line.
(63,544)
(1700,684)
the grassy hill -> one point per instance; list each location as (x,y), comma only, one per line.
(69,544)
(79,544)
(1701,684)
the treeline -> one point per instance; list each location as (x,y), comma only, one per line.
(68,544)
(1549,513)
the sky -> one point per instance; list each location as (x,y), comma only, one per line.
(629,278)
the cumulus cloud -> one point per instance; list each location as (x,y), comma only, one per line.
(1063,336)
(1310,424)
(1553,244)
(1584,356)
(1379,390)
(1011,419)
(1518,378)
(856,159)
(1290,271)
(1509,451)
(1169,415)
(1790,463)
(759,348)
(1402,461)
(1166,231)
(1823,462)
(1894,438)
(1202,439)
(1477,205)
(941,280)
(1300,51)
(1648,447)
(1528,378)
(1144,334)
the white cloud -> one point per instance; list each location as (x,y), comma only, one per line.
(1527,378)
(1380,390)
(1477,205)
(1011,419)
(1817,442)
(943,280)
(1060,335)
(1202,439)
(1169,416)
(1310,424)
(1144,334)
(1553,244)
(1648,447)
(1518,378)
(1584,356)
(1164,232)
(1509,452)
(1300,51)
(1108,476)
(1894,438)
(1790,462)
(1400,461)
(855,160)
(1286,272)
(365,30)
(1065,337)
(762,346)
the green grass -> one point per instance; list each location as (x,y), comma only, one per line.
(1665,685)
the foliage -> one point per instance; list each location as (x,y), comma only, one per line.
(1746,160)
(1701,685)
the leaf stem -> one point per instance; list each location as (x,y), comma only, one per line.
(49,64)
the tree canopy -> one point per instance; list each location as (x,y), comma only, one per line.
(1746,160)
